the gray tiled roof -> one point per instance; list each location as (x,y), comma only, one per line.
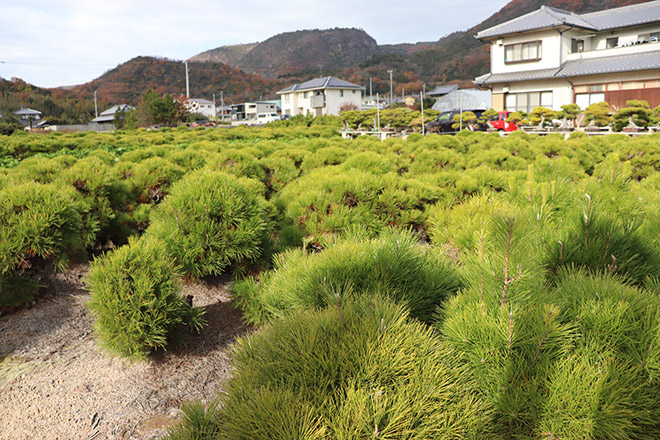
(27,111)
(625,16)
(529,75)
(619,63)
(109,114)
(443,90)
(589,66)
(547,17)
(327,82)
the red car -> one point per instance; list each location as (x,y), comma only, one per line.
(499,123)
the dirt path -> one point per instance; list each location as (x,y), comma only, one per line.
(56,383)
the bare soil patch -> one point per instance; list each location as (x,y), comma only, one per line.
(57,383)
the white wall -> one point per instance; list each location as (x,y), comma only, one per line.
(334,100)
(562,92)
(550,51)
(300,102)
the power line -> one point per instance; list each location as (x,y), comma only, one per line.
(56,64)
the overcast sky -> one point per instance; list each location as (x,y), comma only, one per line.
(66,42)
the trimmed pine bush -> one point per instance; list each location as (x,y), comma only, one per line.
(359,370)
(136,299)
(578,361)
(600,243)
(212,220)
(329,202)
(38,224)
(394,264)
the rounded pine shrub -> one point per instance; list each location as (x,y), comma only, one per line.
(211,220)
(40,221)
(576,361)
(601,243)
(136,301)
(330,201)
(362,370)
(38,224)
(394,264)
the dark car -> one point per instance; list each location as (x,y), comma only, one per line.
(443,123)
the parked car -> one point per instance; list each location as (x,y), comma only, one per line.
(265,118)
(499,122)
(445,120)
(443,123)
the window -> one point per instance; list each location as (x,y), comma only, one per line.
(577,45)
(521,52)
(526,102)
(584,100)
(611,43)
(632,85)
(341,93)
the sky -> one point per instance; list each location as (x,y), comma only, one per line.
(69,42)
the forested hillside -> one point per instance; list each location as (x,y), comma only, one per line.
(58,105)
(126,82)
(457,57)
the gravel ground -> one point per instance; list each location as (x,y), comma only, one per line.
(56,383)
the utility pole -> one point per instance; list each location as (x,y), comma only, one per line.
(222,104)
(187,83)
(96,108)
(215,109)
(391,95)
(422,106)
(371,90)
(460,123)
(378,113)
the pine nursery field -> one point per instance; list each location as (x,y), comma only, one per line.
(460,287)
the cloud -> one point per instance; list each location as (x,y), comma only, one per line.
(71,42)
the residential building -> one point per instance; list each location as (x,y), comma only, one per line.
(108,116)
(27,116)
(370,102)
(551,57)
(248,110)
(202,106)
(320,96)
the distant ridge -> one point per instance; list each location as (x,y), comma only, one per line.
(126,82)
(290,52)
(355,56)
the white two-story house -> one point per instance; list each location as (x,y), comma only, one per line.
(551,57)
(320,96)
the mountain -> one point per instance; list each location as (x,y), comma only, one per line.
(224,54)
(128,81)
(292,52)
(58,106)
(355,56)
